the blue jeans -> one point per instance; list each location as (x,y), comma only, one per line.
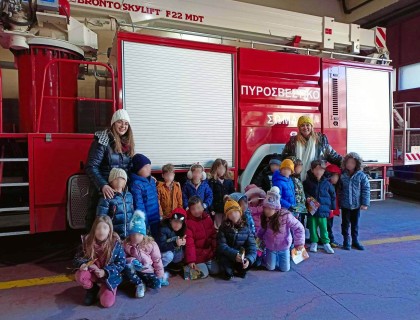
(279,260)
(210,267)
(169,256)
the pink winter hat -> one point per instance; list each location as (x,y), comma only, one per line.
(272,200)
(252,191)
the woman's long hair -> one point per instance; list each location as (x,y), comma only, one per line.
(127,139)
(274,222)
(108,244)
(301,139)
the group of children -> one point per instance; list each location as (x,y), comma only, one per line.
(208,228)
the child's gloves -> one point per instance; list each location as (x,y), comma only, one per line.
(164,282)
(135,265)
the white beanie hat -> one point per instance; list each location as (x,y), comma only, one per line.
(117,173)
(120,114)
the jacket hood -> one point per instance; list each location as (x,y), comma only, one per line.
(237,196)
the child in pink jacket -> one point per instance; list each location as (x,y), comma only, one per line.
(144,262)
(255,197)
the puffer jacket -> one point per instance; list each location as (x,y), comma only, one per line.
(219,190)
(168,237)
(148,255)
(201,239)
(203,191)
(113,268)
(280,241)
(300,196)
(287,190)
(324,151)
(263,179)
(120,209)
(256,213)
(169,198)
(102,158)
(145,197)
(323,191)
(355,190)
(231,239)
(237,196)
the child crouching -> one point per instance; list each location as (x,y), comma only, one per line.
(144,264)
(100,261)
(276,225)
(172,239)
(236,246)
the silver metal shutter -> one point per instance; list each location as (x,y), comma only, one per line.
(180,102)
(369,114)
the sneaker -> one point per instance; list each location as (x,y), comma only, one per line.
(91,295)
(164,282)
(328,249)
(140,290)
(334,244)
(314,247)
(358,246)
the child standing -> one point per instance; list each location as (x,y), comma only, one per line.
(242,200)
(100,260)
(200,248)
(264,178)
(255,197)
(282,180)
(236,246)
(355,196)
(120,208)
(143,188)
(221,185)
(169,192)
(144,264)
(277,224)
(172,239)
(197,186)
(300,208)
(319,188)
(333,173)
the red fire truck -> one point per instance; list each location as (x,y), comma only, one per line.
(199,81)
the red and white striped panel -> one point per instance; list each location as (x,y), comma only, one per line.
(380,37)
(412,158)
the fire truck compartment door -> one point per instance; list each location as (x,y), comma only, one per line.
(180,102)
(369,114)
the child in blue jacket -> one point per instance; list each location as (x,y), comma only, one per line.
(120,208)
(355,196)
(143,188)
(282,179)
(318,187)
(197,186)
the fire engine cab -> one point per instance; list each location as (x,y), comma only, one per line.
(199,79)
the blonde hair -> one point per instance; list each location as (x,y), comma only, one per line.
(301,139)
(168,168)
(146,240)
(127,139)
(109,243)
(216,164)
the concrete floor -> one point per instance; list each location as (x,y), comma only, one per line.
(379,283)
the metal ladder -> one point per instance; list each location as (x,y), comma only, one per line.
(14,189)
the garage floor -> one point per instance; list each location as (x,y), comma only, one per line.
(380,283)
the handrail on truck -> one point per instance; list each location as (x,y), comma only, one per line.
(48,65)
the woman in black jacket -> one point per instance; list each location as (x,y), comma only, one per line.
(111,148)
(236,246)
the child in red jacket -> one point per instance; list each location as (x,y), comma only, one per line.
(200,249)
(333,173)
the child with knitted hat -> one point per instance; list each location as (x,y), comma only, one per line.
(144,263)
(333,174)
(255,197)
(277,224)
(143,188)
(284,182)
(236,246)
(265,177)
(119,208)
(242,200)
(172,239)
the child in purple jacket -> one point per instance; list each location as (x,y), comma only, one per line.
(276,225)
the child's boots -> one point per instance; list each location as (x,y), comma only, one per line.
(356,245)
(91,295)
(140,289)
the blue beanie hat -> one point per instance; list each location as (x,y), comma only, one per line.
(137,223)
(139,161)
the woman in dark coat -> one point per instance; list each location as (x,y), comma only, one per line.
(111,148)
(309,145)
